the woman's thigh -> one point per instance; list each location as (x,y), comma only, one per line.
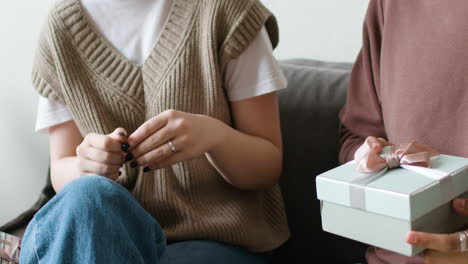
(206,251)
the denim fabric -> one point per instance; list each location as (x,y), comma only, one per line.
(95,220)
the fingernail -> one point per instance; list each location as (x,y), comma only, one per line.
(129,157)
(125,147)
(146,169)
(134,164)
(122,134)
(460,203)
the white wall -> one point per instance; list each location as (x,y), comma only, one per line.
(23,154)
(318,29)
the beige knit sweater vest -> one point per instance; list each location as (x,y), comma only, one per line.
(75,65)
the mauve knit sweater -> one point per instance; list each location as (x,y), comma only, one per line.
(410,81)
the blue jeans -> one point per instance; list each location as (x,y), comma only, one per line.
(95,220)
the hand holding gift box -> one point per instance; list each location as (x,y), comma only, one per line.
(444,248)
(369,160)
(366,200)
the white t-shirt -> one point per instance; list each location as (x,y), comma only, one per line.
(133,28)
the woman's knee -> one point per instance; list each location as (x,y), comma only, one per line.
(92,185)
(90,193)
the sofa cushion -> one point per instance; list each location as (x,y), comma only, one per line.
(309,110)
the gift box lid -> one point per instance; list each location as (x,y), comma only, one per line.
(398,192)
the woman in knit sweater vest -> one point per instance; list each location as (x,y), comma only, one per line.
(409,83)
(164,133)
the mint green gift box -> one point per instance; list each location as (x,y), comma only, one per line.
(382,209)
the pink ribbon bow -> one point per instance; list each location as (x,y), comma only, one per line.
(10,248)
(370,161)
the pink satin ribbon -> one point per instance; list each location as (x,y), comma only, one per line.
(11,251)
(370,161)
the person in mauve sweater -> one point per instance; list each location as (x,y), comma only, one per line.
(410,83)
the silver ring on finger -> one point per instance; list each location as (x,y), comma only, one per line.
(463,241)
(171,145)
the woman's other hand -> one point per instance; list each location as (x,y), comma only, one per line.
(376,144)
(442,248)
(102,154)
(72,156)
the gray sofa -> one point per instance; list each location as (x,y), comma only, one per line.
(309,110)
(309,117)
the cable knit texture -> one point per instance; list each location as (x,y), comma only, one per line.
(77,66)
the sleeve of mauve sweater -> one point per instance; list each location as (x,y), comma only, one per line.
(362,114)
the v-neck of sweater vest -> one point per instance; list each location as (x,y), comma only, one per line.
(107,62)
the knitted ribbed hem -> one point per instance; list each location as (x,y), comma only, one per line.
(44,88)
(247,27)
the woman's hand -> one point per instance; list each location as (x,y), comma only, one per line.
(102,154)
(376,144)
(174,136)
(247,155)
(442,248)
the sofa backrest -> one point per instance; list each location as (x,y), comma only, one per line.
(309,110)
